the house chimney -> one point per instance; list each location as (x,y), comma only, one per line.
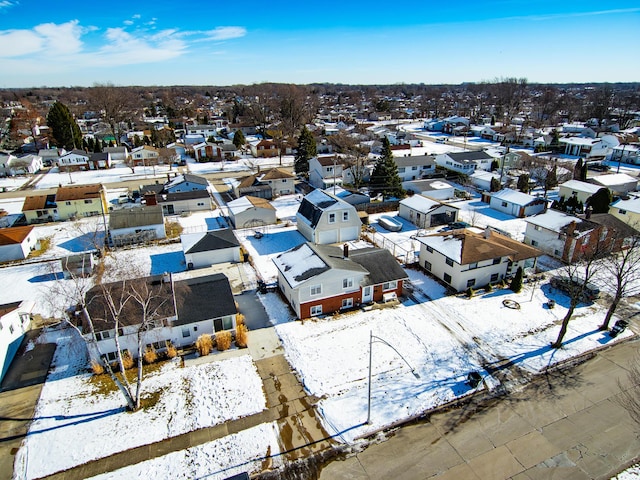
(487,232)
(345,250)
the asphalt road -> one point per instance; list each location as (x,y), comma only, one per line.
(568,424)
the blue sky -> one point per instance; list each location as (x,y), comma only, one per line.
(71,43)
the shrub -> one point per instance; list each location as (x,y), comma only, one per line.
(239,319)
(97,368)
(172,352)
(488,288)
(516,282)
(127,360)
(470,292)
(204,344)
(241,335)
(150,356)
(223,340)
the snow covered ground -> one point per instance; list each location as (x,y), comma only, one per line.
(72,405)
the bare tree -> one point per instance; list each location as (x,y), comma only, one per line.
(622,274)
(117,105)
(629,397)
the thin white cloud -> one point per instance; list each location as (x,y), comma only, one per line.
(556,16)
(128,22)
(15,43)
(7,4)
(49,38)
(124,48)
(226,33)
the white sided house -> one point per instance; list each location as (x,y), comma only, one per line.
(513,202)
(472,258)
(465,162)
(433,188)
(581,190)
(130,226)
(322,279)
(17,242)
(15,319)
(617,183)
(425,212)
(415,167)
(204,249)
(548,232)
(181,311)
(324,218)
(325,171)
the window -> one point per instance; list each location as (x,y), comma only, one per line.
(429,249)
(473,265)
(345,216)
(557,253)
(347,302)
(284,180)
(316,289)
(449,262)
(471,282)
(201,204)
(534,243)
(347,283)
(111,356)
(332,218)
(88,201)
(316,310)
(11,328)
(414,168)
(427,266)
(103,335)
(537,227)
(494,277)
(185,332)
(496,261)
(67,203)
(504,204)
(390,285)
(447,278)
(401,170)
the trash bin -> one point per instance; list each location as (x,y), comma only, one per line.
(551,303)
(474,379)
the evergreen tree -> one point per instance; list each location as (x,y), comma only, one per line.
(523,183)
(583,172)
(306,150)
(90,144)
(97,147)
(64,129)
(385,178)
(600,201)
(136,141)
(238,139)
(577,170)
(516,281)
(495,185)
(551,180)
(495,165)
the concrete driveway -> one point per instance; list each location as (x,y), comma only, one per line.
(255,316)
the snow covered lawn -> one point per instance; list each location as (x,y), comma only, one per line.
(72,406)
(442,337)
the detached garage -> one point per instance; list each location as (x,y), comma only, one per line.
(16,243)
(209,248)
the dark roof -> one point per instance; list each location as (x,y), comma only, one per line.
(195,179)
(136,217)
(204,298)
(196,299)
(611,222)
(177,196)
(8,308)
(461,156)
(153,188)
(380,264)
(215,240)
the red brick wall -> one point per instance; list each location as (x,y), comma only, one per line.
(329,305)
(378,292)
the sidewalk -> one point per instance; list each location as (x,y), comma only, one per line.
(301,432)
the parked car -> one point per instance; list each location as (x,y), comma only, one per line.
(568,285)
(618,328)
(389,223)
(455,226)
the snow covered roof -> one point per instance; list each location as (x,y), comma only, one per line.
(245,203)
(579,186)
(300,264)
(580,141)
(318,201)
(420,203)
(630,205)
(614,179)
(553,220)
(515,197)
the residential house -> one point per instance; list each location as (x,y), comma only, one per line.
(362,172)
(118,154)
(425,212)
(73,161)
(569,238)
(251,212)
(435,188)
(589,148)
(461,162)
(75,201)
(99,161)
(144,156)
(50,155)
(15,320)
(351,197)
(482,131)
(626,153)
(482,180)
(130,226)
(186,183)
(181,202)
(472,258)
(267,184)
(322,279)
(17,242)
(513,202)
(575,188)
(209,248)
(415,167)
(182,311)
(617,183)
(264,148)
(627,209)
(325,171)
(24,164)
(40,208)
(205,130)
(324,218)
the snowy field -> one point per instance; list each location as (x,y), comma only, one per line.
(442,337)
(188,399)
(118,173)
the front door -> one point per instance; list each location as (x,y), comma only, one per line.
(367,294)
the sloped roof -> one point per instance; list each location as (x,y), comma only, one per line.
(415,160)
(244,203)
(78,192)
(473,155)
(328,161)
(214,240)
(186,177)
(622,229)
(380,265)
(514,196)
(581,186)
(300,264)
(421,203)
(631,204)
(136,217)
(204,298)
(613,179)
(36,202)
(275,174)
(14,235)
(466,246)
